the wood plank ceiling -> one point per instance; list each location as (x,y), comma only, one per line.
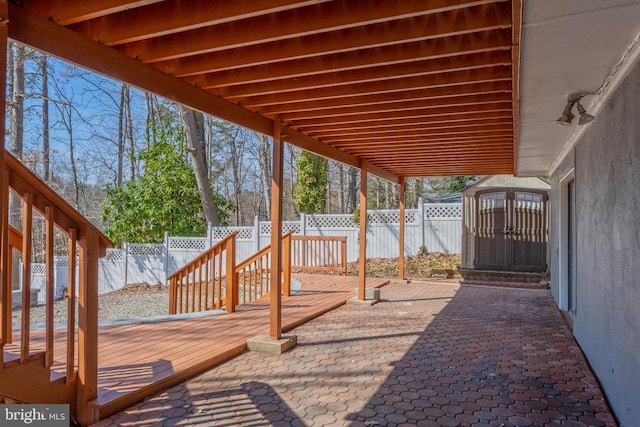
(416,88)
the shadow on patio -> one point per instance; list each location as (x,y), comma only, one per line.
(428,354)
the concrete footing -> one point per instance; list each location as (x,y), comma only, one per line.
(263,343)
(371,296)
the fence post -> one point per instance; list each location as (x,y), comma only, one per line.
(209,234)
(421,219)
(166,256)
(256,233)
(126,262)
(286,264)
(303,243)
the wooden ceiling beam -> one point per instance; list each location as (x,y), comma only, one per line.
(426,113)
(440,157)
(441,121)
(419,139)
(428,171)
(480,75)
(370,75)
(400,106)
(171,17)
(441,93)
(458,161)
(221,48)
(45,35)
(484,150)
(364,133)
(407,132)
(67,12)
(463,44)
(455,164)
(392,151)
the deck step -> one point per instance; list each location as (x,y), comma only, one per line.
(30,383)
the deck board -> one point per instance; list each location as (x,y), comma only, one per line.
(136,361)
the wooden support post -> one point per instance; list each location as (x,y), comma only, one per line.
(403,188)
(275,298)
(362,259)
(5,278)
(88,326)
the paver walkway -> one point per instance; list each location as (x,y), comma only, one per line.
(429,354)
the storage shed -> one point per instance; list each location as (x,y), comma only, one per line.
(505,224)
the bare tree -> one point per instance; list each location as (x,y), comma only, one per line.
(17,54)
(127,134)
(46,149)
(120,156)
(264,161)
(194,132)
(352,189)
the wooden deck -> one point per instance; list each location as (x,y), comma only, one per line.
(138,360)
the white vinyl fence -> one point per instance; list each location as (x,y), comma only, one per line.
(435,226)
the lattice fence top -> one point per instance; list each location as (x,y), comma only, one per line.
(188,243)
(391,216)
(443,210)
(142,249)
(38,269)
(114,255)
(291,226)
(330,221)
(244,233)
(60,261)
(265,227)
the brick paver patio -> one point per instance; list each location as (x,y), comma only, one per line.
(429,354)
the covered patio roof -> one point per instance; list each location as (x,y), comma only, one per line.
(413,88)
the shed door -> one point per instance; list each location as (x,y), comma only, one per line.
(512,230)
(492,239)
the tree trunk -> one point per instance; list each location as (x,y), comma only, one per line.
(46,151)
(265,169)
(16,137)
(127,135)
(120,159)
(72,157)
(352,194)
(194,132)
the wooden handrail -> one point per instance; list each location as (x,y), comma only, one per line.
(22,180)
(197,286)
(253,273)
(90,244)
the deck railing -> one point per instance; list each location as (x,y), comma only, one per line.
(198,286)
(253,276)
(27,359)
(319,253)
(213,280)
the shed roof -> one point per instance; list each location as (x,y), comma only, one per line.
(506,181)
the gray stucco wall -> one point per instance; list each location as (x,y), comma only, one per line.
(607,178)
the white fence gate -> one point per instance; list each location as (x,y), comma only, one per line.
(435,226)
